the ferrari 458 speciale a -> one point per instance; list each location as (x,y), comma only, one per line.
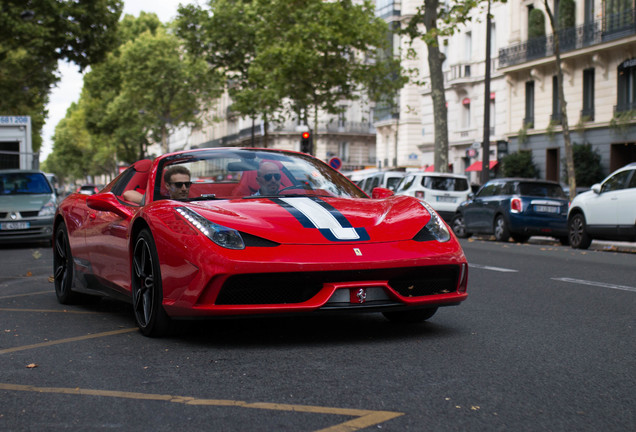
(230,248)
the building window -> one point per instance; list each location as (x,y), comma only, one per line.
(466,113)
(468,47)
(626,86)
(587,113)
(556,101)
(342,120)
(528,121)
(343,151)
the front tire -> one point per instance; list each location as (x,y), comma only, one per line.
(410,316)
(459,226)
(502,233)
(147,292)
(579,238)
(63,267)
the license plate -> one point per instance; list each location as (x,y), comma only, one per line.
(446,199)
(546,209)
(14,225)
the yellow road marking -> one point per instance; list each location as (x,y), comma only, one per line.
(364,418)
(67,340)
(26,294)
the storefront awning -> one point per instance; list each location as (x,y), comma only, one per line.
(477,166)
(430,168)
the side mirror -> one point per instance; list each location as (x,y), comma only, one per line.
(380,192)
(596,188)
(107,202)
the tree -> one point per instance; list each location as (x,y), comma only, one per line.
(35,35)
(587,165)
(434,21)
(312,55)
(569,158)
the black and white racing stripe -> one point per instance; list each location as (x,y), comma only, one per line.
(312,212)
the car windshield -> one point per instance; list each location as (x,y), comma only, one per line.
(24,184)
(546,190)
(232,173)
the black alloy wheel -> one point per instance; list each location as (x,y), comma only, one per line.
(147,292)
(63,267)
(502,233)
(579,238)
(459,226)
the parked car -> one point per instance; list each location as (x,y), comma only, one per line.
(607,212)
(318,243)
(369,181)
(27,206)
(443,191)
(514,207)
(89,189)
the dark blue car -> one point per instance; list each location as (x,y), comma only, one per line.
(514,207)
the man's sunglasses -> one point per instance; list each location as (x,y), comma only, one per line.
(179,185)
(268,177)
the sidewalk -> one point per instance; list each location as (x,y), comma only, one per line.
(599,245)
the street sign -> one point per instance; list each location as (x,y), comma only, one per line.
(335,163)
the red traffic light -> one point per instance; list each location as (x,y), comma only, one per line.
(306,135)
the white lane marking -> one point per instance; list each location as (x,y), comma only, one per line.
(598,284)
(321,218)
(498,269)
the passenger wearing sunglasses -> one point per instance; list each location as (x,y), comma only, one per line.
(268,178)
(177,179)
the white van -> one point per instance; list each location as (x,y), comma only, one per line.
(369,180)
(443,191)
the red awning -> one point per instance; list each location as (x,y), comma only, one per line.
(430,168)
(477,166)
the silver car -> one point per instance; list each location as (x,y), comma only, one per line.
(27,206)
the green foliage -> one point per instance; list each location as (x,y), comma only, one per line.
(567,11)
(519,164)
(536,24)
(34,35)
(587,165)
(312,55)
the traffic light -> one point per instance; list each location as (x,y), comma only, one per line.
(306,142)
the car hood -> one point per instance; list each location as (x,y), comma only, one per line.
(319,220)
(22,203)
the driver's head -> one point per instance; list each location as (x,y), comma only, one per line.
(268,178)
(177,179)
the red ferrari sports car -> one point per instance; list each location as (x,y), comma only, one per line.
(253,231)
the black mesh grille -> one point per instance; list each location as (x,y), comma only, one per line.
(280,288)
(26,214)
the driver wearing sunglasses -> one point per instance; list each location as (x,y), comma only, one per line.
(268,178)
(177,180)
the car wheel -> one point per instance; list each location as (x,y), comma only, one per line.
(501,229)
(147,292)
(579,239)
(410,316)
(459,227)
(520,238)
(63,267)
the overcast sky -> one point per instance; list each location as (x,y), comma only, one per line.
(69,88)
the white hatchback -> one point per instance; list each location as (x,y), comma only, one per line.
(607,212)
(443,191)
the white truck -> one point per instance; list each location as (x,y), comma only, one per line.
(16,149)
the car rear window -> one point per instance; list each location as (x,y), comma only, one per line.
(546,190)
(23,184)
(445,183)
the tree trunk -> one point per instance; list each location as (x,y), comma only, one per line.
(569,155)
(435,60)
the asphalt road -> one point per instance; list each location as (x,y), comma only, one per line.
(546,341)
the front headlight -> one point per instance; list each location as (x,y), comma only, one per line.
(223,236)
(49,208)
(435,228)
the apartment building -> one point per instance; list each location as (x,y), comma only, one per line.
(598,53)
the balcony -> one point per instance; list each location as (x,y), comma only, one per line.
(611,27)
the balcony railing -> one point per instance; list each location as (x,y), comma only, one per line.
(611,27)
